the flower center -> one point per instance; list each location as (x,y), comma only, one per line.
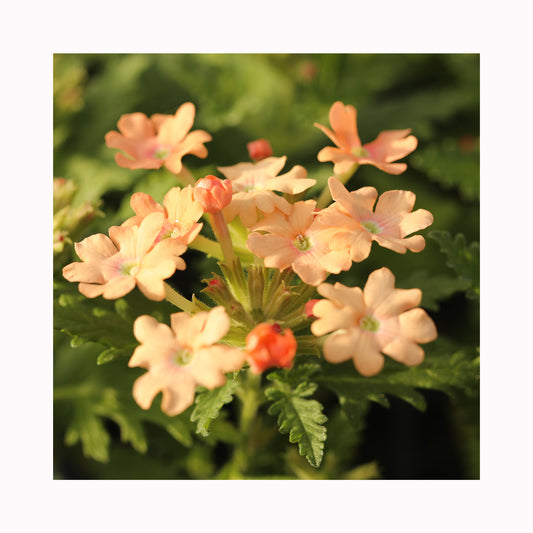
(302,243)
(369,323)
(182,357)
(360,152)
(162,153)
(371,226)
(129,268)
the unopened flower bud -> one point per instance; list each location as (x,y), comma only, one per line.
(267,346)
(212,193)
(259,149)
(309,307)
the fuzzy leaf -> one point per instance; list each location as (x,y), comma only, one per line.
(208,405)
(463,258)
(298,415)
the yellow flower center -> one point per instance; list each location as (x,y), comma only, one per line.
(369,323)
(182,357)
(371,226)
(302,243)
(162,153)
(360,152)
(129,268)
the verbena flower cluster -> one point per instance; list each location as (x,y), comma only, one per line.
(270,302)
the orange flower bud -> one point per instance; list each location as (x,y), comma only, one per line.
(259,149)
(212,193)
(267,346)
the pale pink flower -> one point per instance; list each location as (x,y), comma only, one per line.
(158,140)
(112,267)
(294,240)
(254,185)
(181,213)
(369,323)
(389,145)
(351,224)
(182,356)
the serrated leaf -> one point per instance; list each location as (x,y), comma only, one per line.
(299,416)
(209,403)
(462,258)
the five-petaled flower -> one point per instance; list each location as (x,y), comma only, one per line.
(112,267)
(268,346)
(179,208)
(182,356)
(351,224)
(158,140)
(254,185)
(389,146)
(294,240)
(365,324)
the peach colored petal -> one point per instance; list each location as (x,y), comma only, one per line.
(331,317)
(136,125)
(178,395)
(90,291)
(357,203)
(405,351)
(95,248)
(173,130)
(148,330)
(292,182)
(343,120)
(193,144)
(264,200)
(151,285)
(148,231)
(339,347)
(302,216)
(274,222)
(216,326)
(391,145)
(395,203)
(134,164)
(416,243)
(163,252)
(145,389)
(418,326)
(277,251)
(379,286)
(210,364)
(343,295)
(415,221)
(125,238)
(85,272)
(143,204)
(117,287)
(366,353)
(398,301)
(308,267)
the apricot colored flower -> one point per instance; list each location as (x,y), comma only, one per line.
(351,223)
(259,149)
(254,185)
(158,140)
(369,323)
(388,146)
(112,267)
(295,241)
(182,356)
(213,194)
(181,213)
(267,346)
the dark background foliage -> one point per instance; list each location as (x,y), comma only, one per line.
(240,98)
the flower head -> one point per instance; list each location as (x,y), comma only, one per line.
(181,213)
(295,241)
(259,149)
(182,356)
(352,224)
(158,140)
(369,323)
(112,267)
(268,346)
(389,146)
(254,185)
(212,193)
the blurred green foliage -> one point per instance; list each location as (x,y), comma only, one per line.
(239,98)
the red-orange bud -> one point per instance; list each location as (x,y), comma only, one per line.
(212,193)
(259,149)
(309,307)
(268,346)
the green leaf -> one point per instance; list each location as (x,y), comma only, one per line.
(209,403)
(462,258)
(298,415)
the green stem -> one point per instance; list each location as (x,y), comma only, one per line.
(178,300)
(325,195)
(220,227)
(209,247)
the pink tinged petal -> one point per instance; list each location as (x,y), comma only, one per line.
(134,164)
(143,204)
(181,206)
(395,203)
(165,254)
(90,290)
(151,285)
(241,205)
(118,287)
(264,200)
(277,251)
(336,155)
(405,351)
(159,119)
(148,330)
(398,301)
(418,220)
(85,272)
(302,216)
(179,394)
(174,129)
(125,238)
(293,182)
(343,120)
(416,243)
(275,223)
(136,126)
(210,364)
(327,132)
(216,326)
(391,145)
(270,166)
(358,204)
(95,248)
(418,326)
(379,287)
(193,144)
(335,262)
(145,390)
